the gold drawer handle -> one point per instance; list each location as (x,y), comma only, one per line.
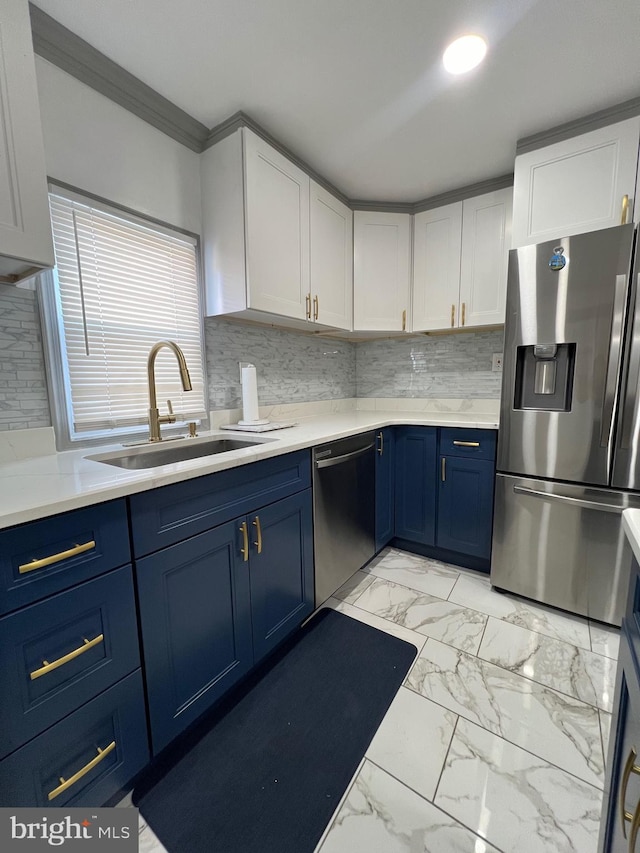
(404,320)
(56,558)
(467,443)
(629,768)
(245,542)
(625,208)
(67,783)
(316,307)
(464,312)
(443,469)
(258,528)
(49,667)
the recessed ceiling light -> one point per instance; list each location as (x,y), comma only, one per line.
(464,53)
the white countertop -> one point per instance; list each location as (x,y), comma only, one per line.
(631,527)
(46,485)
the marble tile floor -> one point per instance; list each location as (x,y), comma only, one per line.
(497,740)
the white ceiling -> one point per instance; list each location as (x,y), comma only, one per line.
(356,87)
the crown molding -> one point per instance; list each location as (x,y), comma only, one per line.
(67,51)
(594,121)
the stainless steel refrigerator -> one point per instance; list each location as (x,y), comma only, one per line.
(569,440)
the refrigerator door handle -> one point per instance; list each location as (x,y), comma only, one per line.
(550,496)
(631,385)
(613,364)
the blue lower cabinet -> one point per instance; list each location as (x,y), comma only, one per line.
(215,604)
(196,626)
(385,487)
(86,758)
(465,505)
(61,652)
(416,486)
(280,570)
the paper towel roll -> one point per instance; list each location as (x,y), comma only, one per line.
(250,408)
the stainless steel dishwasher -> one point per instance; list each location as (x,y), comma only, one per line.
(343,510)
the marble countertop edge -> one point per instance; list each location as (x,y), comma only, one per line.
(47,485)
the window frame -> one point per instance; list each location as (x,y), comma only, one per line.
(56,368)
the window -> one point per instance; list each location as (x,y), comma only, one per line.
(120,285)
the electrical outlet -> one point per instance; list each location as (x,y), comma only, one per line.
(496,362)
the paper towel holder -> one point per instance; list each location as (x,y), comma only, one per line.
(253,404)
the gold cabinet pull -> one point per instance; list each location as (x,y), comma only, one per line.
(629,767)
(625,209)
(49,667)
(464,312)
(381,443)
(316,307)
(467,443)
(258,542)
(56,558)
(453,315)
(443,469)
(245,540)
(635,825)
(404,320)
(308,303)
(67,783)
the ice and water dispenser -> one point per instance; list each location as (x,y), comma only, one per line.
(544,377)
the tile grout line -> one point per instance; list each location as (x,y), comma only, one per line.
(456,820)
(506,740)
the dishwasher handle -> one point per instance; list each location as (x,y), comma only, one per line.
(338,460)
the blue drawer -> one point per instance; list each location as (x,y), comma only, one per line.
(43,557)
(172,513)
(476,443)
(60,653)
(100,748)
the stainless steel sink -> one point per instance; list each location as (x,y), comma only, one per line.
(151,457)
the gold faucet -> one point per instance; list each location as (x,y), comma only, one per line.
(155,418)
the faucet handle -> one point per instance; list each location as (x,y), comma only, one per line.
(171,418)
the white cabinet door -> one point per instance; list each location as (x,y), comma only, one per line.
(437,236)
(331,259)
(486,233)
(576,185)
(25,229)
(381,270)
(277,230)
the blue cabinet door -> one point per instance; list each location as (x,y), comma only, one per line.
(465,505)
(195,618)
(281,570)
(385,487)
(416,459)
(622,783)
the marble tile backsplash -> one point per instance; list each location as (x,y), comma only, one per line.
(292,367)
(439,366)
(24,402)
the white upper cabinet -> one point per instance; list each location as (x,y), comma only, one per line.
(486,238)
(277,230)
(437,241)
(331,293)
(576,185)
(277,247)
(460,255)
(381,271)
(25,231)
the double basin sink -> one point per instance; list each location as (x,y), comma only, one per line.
(168,452)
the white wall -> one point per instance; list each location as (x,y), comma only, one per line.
(95,145)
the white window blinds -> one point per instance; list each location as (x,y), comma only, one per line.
(123,286)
